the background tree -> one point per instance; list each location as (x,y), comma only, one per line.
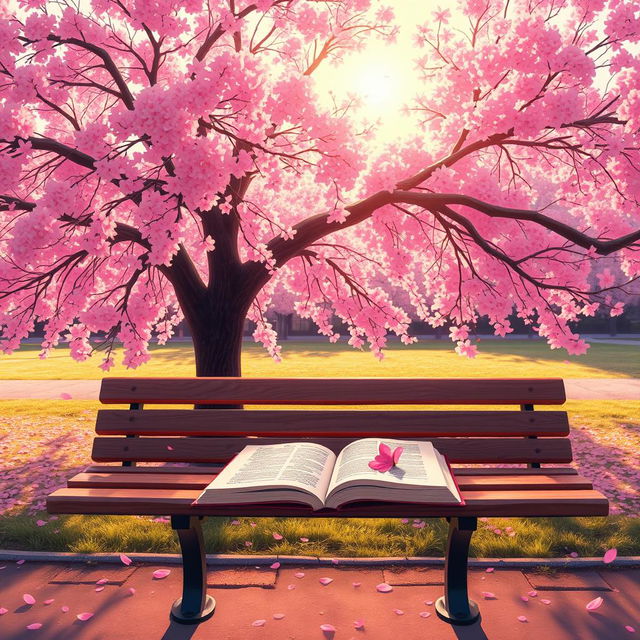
(161,159)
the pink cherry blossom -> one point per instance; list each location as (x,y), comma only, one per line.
(83,617)
(159,574)
(126,199)
(594,604)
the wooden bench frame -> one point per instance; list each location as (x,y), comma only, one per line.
(525,437)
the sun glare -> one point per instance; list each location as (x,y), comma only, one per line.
(377,84)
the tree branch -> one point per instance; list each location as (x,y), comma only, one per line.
(108,63)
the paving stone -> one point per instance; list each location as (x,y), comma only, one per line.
(242,577)
(122,616)
(626,581)
(90,574)
(413,576)
(566,581)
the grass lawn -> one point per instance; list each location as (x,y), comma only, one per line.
(45,442)
(430,358)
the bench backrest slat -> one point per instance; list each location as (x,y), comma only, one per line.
(220,450)
(238,422)
(333,391)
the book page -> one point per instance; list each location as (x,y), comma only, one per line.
(418,464)
(302,465)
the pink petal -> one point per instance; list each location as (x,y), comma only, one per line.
(533,594)
(335,561)
(258,623)
(574,554)
(396,454)
(85,616)
(356,584)
(41,523)
(291,586)
(610,556)
(102,581)
(159,574)
(65,396)
(98,589)
(522,619)
(275,565)
(299,574)
(424,614)
(594,604)
(125,559)
(20,562)
(235,522)
(377,466)
(428,602)
(278,616)
(132,591)
(358,624)
(169,447)
(64,609)
(3,611)
(524,598)
(489,570)
(35,625)
(277,536)
(545,601)
(248,543)
(383,587)
(28,598)
(487,595)
(326,581)
(304,539)
(630,629)
(398,612)
(405,520)
(327,627)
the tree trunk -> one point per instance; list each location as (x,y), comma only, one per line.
(217,324)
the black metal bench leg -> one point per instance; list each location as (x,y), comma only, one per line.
(455,607)
(195,605)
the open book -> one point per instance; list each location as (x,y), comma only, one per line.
(308,473)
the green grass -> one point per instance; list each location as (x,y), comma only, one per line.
(57,420)
(432,359)
(534,537)
(540,537)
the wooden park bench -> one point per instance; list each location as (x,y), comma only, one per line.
(525,437)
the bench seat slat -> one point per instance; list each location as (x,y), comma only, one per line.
(209,470)
(570,502)
(513,481)
(213,469)
(458,450)
(309,391)
(398,424)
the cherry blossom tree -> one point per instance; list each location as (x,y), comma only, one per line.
(162,160)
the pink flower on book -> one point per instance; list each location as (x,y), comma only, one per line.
(385,459)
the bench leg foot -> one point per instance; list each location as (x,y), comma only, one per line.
(455,607)
(195,605)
